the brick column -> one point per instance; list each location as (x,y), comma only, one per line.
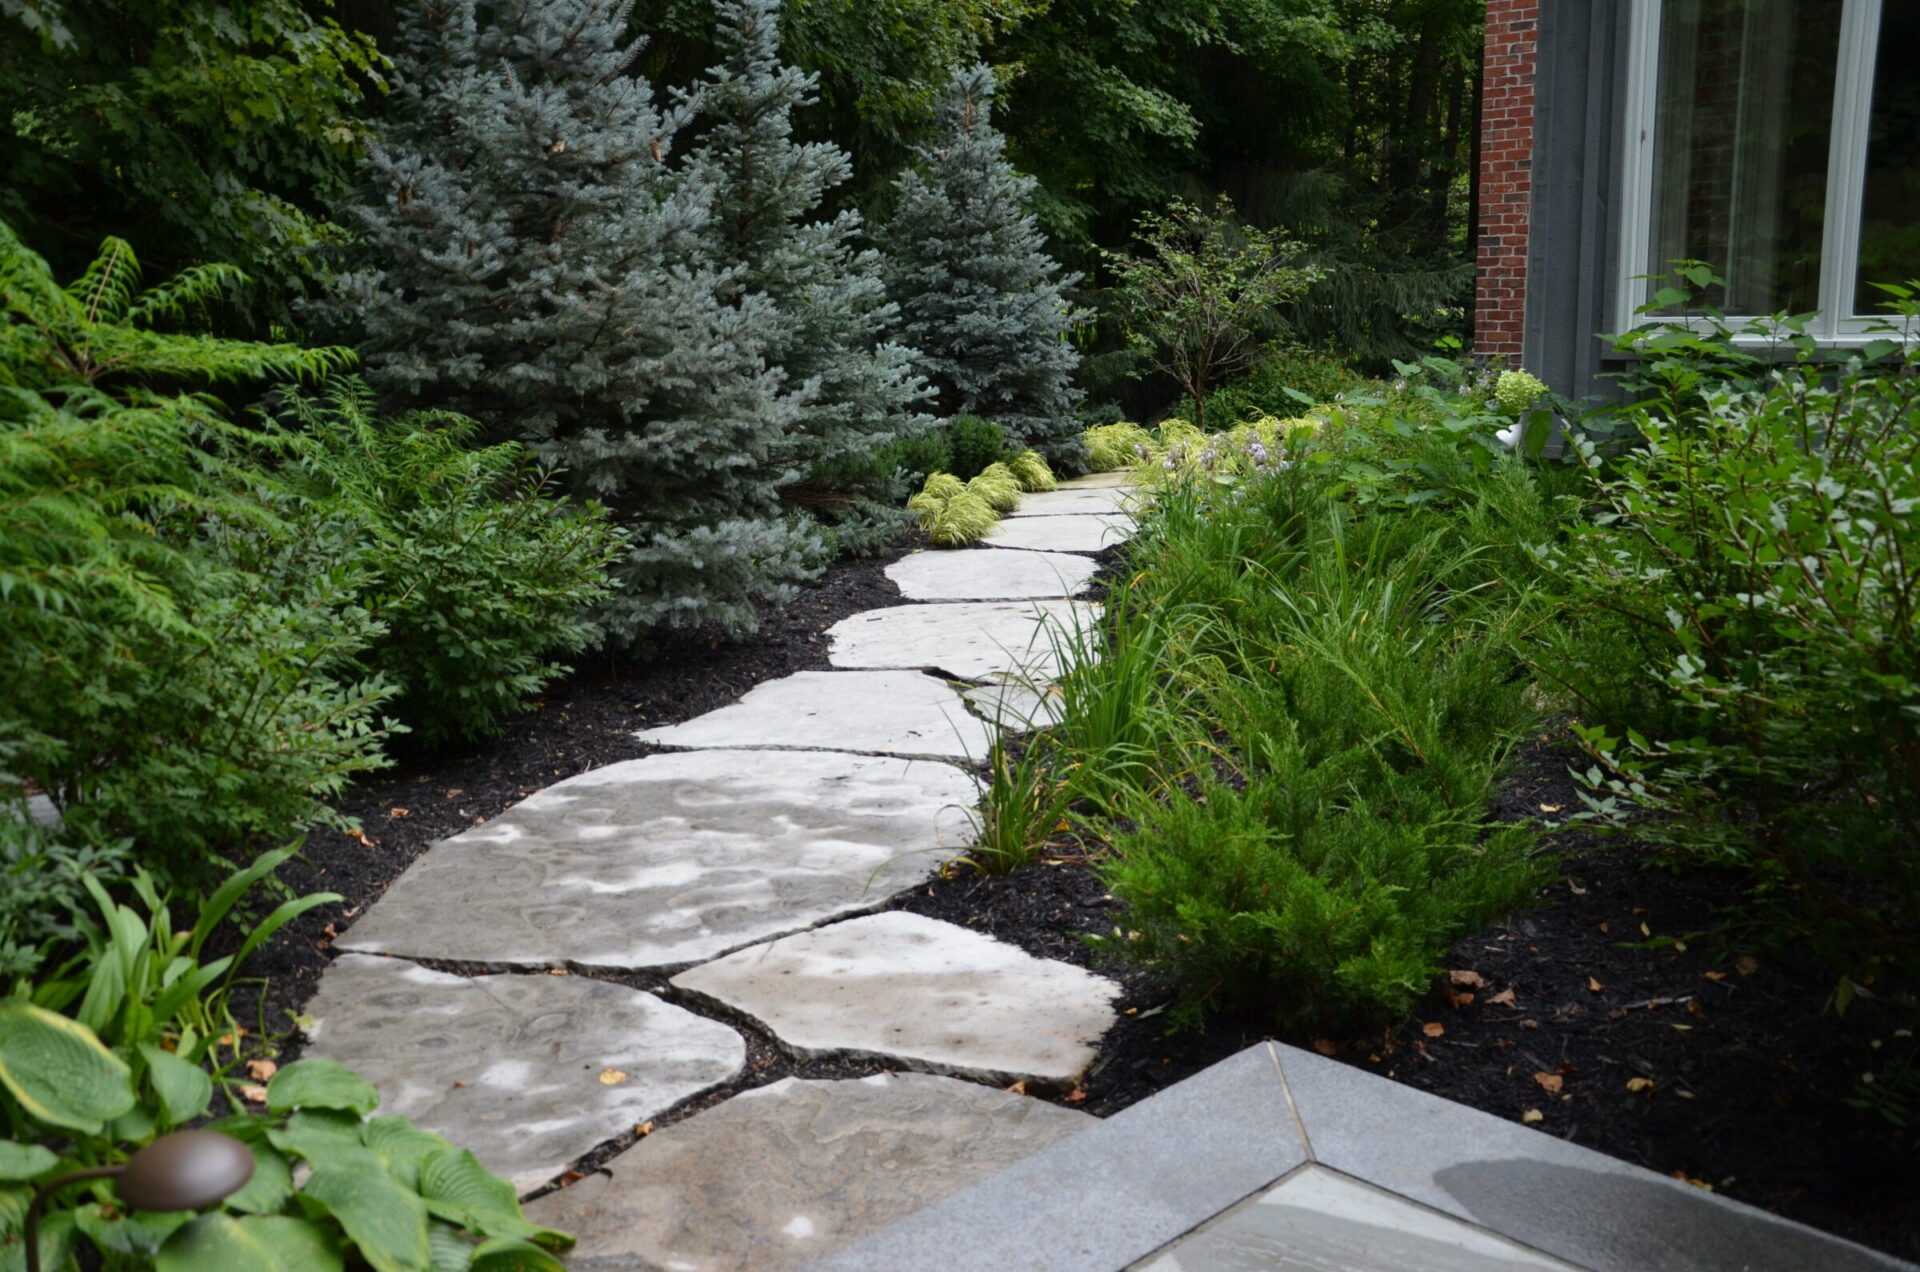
(1506,177)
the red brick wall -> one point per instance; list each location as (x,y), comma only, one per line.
(1506,177)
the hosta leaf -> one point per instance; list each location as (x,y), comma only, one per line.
(58,1071)
(184,1088)
(385,1221)
(317,1083)
(272,1183)
(320,1137)
(24,1161)
(503,1254)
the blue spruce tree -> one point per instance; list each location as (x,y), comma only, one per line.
(530,258)
(857,393)
(980,299)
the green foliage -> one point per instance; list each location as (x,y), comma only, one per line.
(997,485)
(1030,470)
(952,515)
(1200,290)
(1022,805)
(193,662)
(974,444)
(201,129)
(381,1192)
(1281,382)
(1517,391)
(1755,558)
(476,566)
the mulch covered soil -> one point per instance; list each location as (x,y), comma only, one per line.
(1625,1011)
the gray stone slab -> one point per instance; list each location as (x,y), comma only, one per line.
(1539,1190)
(1074,532)
(1015,706)
(667,860)
(982,574)
(1318,1221)
(968,640)
(878,712)
(915,991)
(779,1176)
(1100,481)
(1093,499)
(527,1072)
(1112,1194)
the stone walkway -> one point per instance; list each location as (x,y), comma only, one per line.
(746,863)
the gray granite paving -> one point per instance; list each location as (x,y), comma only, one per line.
(968,640)
(879,712)
(1093,499)
(779,1176)
(527,1072)
(925,994)
(980,574)
(671,859)
(1072,532)
(1318,1221)
(1015,706)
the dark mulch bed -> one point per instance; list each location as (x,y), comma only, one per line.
(1748,1072)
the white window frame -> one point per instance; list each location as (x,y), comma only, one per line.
(1836,321)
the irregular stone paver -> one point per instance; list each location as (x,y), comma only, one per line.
(1094,499)
(970,640)
(1015,706)
(777,1177)
(927,994)
(1072,532)
(1317,1221)
(976,574)
(511,1067)
(1100,481)
(663,861)
(885,712)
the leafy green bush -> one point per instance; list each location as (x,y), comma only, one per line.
(382,1192)
(1294,728)
(476,567)
(1286,379)
(1756,556)
(974,445)
(191,663)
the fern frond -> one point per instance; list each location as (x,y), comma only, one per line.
(105,292)
(185,293)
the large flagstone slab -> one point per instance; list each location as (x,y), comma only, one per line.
(1072,532)
(667,860)
(1016,706)
(980,574)
(925,994)
(526,1072)
(882,712)
(970,640)
(1092,499)
(778,1177)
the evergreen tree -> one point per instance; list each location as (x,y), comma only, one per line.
(530,259)
(856,392)
(979,297)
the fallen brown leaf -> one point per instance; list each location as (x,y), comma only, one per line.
(398,812)
(253,1094)
(1715,976)
(1502,999)
(458,1083)
(612,1077)
(1594,986)
(1433,1029)
(1746,965)
(1467,980)
(1637,1085)
(1076,1096)
(261,1070)
(572,1177)
(1533,1117)
(1018,1088)
(1551,808)
(1549,1082)
(1326,1047)
(643,1130)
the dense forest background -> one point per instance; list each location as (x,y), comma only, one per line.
(203,131)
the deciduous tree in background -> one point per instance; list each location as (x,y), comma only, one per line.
(1197,298)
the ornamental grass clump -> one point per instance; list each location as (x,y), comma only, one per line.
(952,515)
(1029,467)
(1113,446)
(998,486)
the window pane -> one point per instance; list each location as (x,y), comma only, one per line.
(1890,216)
(1744,112)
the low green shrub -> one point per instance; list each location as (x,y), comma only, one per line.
(475,565)
(1284,381)
(975,444)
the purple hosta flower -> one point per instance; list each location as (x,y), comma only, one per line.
(1257,453)
(1141,452)
(1209,457)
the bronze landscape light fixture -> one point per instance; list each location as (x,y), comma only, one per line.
(188,1170)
